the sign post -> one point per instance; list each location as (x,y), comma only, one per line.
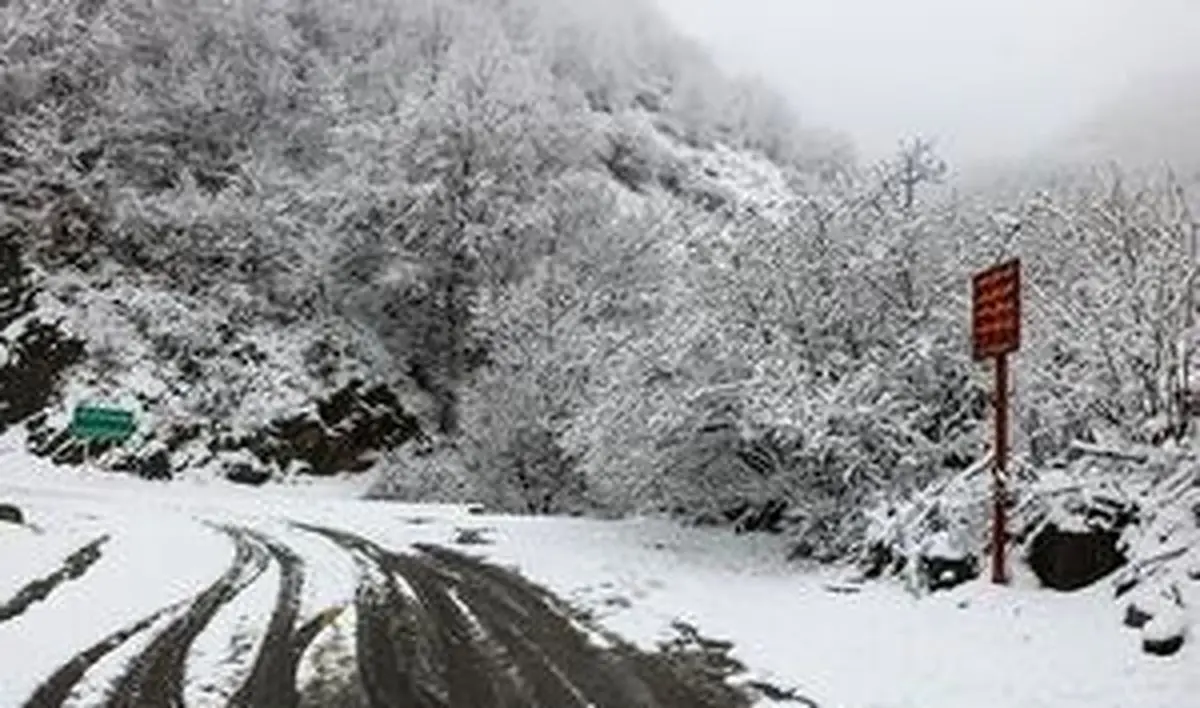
(90,423)
(996,332)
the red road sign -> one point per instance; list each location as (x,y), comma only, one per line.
(996,331)
(996,310)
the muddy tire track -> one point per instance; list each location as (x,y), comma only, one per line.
(272,681)
(395,648)
(559,657)
(484,671)
(55,690)
(539,681)
(438,629)
(73,567)
(560,661)
(434,629)
(155,677)
(307,633)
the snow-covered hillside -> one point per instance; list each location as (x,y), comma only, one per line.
(235,215)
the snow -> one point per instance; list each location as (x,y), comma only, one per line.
(139,572)
(336,641)
(1169,623)
(29,554)
(878,647)
(99,680)
(329,573)
(942,544)
(139,332)
(977,646)
(223,655)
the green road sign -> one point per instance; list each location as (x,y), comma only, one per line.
(100,423)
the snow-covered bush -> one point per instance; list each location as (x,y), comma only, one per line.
(434,471)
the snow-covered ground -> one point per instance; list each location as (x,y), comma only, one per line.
(880,647)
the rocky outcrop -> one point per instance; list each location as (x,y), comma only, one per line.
(33,354)
(16,288)
(345,432)
(36,359)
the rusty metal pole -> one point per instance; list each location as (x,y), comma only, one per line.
(999,523)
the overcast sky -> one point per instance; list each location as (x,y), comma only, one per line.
(988,78)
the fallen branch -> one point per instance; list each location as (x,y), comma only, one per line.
(1107,452)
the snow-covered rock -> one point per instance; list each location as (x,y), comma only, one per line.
(1150,601)
(1166,632)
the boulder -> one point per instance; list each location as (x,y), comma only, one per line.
(37,357)
(345,433)
(244,472)
(11,513)
(472,536)
(945,573)
(1150,601)
(945,561)
(1136,616)
(1165,633)
(1069,560)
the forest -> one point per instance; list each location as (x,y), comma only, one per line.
(624,279)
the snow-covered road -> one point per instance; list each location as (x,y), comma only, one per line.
(220,600)
(210,595)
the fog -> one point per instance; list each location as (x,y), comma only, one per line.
(989,79)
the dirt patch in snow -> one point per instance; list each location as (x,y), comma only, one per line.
(73,567)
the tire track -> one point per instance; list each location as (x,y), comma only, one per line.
(396,651)
(435,629)
(155,678)
(55,690)
(438,629)
(558,659)
(272,681)
(73,567)
(536,623)
(484,671)
(307,634)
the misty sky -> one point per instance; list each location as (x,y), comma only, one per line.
(988,78)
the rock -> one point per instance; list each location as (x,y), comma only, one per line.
(945,573)
(1164,634)
(767,516)
(472,536)
(1070,560)
(1135,616)
(345,433)
(877,560)
(944,562)
(247,473)
(1147,603)
(29,381)
(10,513)
(843,588)
(156,466)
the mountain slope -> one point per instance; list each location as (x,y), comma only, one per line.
(241,210)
